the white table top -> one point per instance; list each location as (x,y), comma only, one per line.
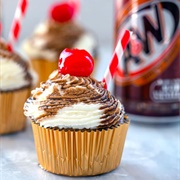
(151,152)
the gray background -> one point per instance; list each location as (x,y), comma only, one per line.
(96,15)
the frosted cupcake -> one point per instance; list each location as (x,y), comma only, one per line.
(79,127)
(54,35)
(16,79)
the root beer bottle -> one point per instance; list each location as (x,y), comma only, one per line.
(148,77)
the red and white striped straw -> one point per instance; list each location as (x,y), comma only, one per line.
(117,55)
(17,21)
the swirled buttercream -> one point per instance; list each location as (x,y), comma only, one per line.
(66,101)
(50,38)
(15,72)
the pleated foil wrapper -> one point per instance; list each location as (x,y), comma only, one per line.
(12,117)
(43,68)
(79,152)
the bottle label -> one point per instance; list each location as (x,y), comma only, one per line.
(155,41)
(165,90)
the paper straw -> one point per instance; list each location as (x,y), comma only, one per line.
(117,55)
(17,21)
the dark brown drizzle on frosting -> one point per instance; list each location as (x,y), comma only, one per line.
(69,90)
(3,45)
(12,56)
(58,36)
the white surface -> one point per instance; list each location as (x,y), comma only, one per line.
(151,152)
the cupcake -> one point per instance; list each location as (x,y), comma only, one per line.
(59,31)
(79,127)
(15,82)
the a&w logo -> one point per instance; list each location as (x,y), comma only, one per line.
(154,43)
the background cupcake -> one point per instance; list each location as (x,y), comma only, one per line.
(16,79)
(79,127)
(59,31)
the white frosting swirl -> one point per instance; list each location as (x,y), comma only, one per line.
(87,42)
(77,116)
(35,50)
(66,101)
(12,75)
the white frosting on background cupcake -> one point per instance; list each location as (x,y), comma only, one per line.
(12,75)
(36,45)
(15,72)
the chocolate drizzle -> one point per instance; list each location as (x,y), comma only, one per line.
(3,45)
(67,90)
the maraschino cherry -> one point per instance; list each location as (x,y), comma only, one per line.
(62,12)
(75,62)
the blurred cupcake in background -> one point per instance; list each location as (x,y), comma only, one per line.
(16,79)
(59,31)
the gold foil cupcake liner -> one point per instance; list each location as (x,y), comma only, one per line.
(12,117)
(43,68)
(79,153)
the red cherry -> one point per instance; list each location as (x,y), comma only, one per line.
(62,12)
(76,62)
